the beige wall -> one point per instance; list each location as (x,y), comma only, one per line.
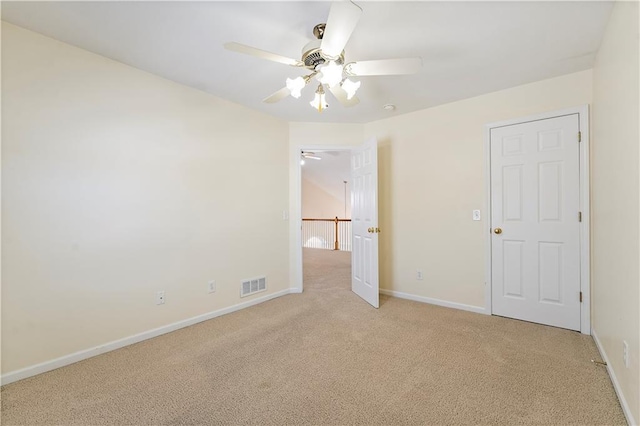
(117,183)
(319,204)
(615,188)
(324,134)
(431,177)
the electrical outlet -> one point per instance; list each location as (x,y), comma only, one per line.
(211,286)
(625,353)
(476,215)
(160,297)
(419,274)
(285,214)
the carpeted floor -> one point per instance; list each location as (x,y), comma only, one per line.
(326,357)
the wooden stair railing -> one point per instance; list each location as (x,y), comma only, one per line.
(336,231)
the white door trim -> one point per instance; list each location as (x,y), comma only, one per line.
(585,279)
(295,206)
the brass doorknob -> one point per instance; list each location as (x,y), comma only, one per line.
(371,230)
(497,231)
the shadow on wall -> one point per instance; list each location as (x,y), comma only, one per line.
(385,213)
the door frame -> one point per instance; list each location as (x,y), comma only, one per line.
(585,261)
(295,206)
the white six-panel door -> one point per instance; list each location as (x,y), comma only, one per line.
(364,222)
(535,247)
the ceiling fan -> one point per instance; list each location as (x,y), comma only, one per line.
(325,58)
(308,155)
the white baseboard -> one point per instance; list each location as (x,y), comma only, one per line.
(454,305)
(614,380)
(117,344)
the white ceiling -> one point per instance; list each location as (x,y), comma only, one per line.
(468,48)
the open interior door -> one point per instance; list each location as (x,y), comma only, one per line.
(364,222)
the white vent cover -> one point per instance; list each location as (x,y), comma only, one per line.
(253,285)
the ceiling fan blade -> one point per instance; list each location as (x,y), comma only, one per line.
(384,67)
(342,20)
(263,54)
(278,96)
(311,155)
(341,95)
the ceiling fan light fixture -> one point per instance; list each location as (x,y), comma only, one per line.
(351,87)
(319,101)
(330,74)
(295,86)
(324,57)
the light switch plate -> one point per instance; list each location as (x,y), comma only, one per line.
(476,215)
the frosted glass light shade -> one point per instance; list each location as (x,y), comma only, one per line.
(319,102)
(331,74)
(350,87)
(295,86)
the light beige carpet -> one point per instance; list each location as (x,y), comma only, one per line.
(326,357)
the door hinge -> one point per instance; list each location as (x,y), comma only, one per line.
(579,216)
(580,297)
(579,136)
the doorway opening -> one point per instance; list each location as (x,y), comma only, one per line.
(325,218)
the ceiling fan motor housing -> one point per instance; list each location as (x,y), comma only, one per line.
(312,54)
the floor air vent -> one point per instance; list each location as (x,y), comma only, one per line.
(254,285)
